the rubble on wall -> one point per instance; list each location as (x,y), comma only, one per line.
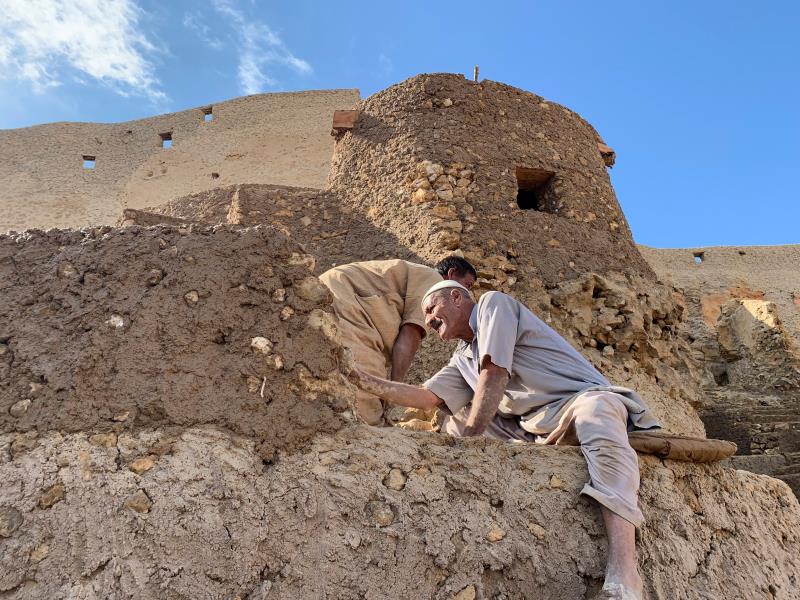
(758,351)
(631,329)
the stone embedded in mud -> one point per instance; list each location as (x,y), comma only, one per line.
(261,344)
(52,495)
(422,195)
(449,240)
(537,530)
(19,408)
(395,480)
(381,513)
(279,295)
(66,270)
(556,482)
(115,321)
(191,297)
(40,553)
(306,260)
(468,593)
(10,520)
(142,464)
(154,276)
(275,361)
(313,290)
(104,440)
(286,313)
(324,322)
(496,533)
(139,502)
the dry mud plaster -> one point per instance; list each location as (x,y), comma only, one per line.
(118,329)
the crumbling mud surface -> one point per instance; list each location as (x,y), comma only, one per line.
(369,513)
(318,220)
(114,330)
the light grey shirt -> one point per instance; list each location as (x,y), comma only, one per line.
(546,373)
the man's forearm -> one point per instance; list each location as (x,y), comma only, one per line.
(404,349)
(491,386)
(397,393)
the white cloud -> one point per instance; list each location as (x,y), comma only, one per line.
(259,48)
(202,30)
(99,38)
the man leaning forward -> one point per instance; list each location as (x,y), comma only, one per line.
(513,378)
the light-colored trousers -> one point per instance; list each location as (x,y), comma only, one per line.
(597,422)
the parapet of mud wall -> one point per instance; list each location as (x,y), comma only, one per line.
(266,138)
(492,171)
(722,273)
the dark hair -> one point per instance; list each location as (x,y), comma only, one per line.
(461,266)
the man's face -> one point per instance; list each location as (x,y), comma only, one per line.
(445,314)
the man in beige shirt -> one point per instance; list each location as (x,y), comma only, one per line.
(380,317)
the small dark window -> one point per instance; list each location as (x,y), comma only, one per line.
(166,139)
(699,257)
(214,175)
(534,189)
(88,162)
(208,114)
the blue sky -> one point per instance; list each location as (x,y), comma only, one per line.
(701,100)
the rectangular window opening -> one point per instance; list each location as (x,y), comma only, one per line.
(88,162)
(208,114)
(699,257)
(166,139)
(534,189)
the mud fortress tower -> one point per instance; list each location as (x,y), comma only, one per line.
(175,418)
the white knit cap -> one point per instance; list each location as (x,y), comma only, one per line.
(443,285)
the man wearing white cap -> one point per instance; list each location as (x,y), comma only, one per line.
(512,377)
(380,316)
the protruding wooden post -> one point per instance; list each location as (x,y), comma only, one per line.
(475,74)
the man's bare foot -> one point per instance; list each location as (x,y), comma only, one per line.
(615,590)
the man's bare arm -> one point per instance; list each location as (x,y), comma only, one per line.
(491,385)
(396,393)
(404,349)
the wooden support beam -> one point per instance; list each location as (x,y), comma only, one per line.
(343,120)
(608,154)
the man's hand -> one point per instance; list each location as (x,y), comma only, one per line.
(396,393)
(491,386)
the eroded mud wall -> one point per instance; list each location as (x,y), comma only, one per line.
(743,319)
(265,138)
